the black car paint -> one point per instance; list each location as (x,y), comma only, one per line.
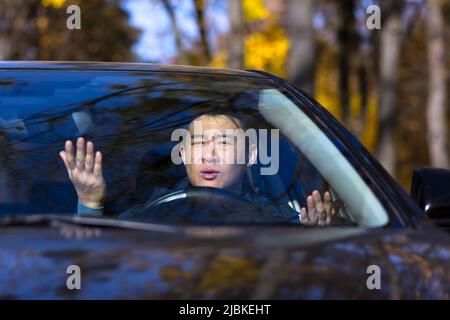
(192,262)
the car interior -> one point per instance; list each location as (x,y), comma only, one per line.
(133,129)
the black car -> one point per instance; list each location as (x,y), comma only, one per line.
(197,242)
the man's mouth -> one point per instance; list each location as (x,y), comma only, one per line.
(209,174)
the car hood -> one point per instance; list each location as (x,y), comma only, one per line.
(149,261)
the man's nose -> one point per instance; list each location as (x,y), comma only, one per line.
(209,152)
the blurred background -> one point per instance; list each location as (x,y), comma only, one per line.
(388,85)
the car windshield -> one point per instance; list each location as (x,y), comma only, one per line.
(171,149)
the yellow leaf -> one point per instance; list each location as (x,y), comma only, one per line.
(53,3)
(267,50)
(219,59)
(254,10)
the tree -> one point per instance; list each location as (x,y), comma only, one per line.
(266,43)
(200,17)
(436,113)
(346,44)
(301,61)
(36,30)
(236,51)
(18,32)
(176,31)
(389,58)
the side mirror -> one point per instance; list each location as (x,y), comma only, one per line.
(430,188)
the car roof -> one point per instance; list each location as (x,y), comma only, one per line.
(121,66)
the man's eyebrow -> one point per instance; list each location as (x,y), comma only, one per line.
(197,137)
(217,136)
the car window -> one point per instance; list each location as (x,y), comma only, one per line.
(137,121)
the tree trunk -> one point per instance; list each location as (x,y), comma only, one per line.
(176,32)
(236,53)
(389,57)
(346,43)
(357,125)
(301,63)
(436,113)
(201,22)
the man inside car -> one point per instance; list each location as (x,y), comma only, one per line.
(208,161)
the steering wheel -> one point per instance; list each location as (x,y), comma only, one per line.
(202,193)
(204,204)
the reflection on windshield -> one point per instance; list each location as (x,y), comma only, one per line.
(118,156)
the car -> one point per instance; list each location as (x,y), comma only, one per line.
(197,241)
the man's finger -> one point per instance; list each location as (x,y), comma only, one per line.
(328,220)
(318,204)
(63,156)
(98,164)
(327,201)
(320,209)
(69,154)
(80,154)
(311,210)
(303,216)
(329,209)
(89,163)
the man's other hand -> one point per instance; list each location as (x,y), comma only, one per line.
(318,212)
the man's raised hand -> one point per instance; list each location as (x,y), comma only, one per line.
(84,168)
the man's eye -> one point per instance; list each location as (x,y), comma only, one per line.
(225,141)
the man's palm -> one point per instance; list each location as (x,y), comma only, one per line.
(84,168)
(318,212)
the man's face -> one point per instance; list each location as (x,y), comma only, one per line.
(210,157)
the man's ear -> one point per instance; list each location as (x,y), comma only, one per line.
(252,155)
